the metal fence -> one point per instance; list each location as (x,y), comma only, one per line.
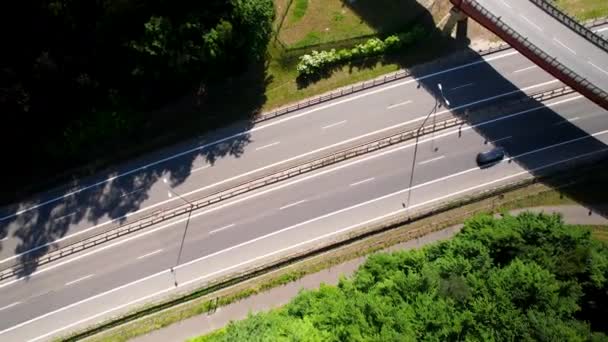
(550,60)
(258,183)
(579,28)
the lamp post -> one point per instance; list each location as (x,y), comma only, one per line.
(181,246)
(442,95)
(432,112)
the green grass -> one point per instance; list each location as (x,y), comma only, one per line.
(283,87)
(300,7)
(584,9)
(600,232)
(312,38)
(337,20)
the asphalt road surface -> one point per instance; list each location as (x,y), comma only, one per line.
(231,156)
(168,178)
(551,36)
(238,233)
(296,214)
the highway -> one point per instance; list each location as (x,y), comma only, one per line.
(166,178)
(554,38)
(300,212)
(296,214)
(231,156)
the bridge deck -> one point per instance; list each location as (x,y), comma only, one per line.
(550,35)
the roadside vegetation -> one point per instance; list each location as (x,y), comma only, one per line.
(584,9)
(84,81)
(529,277)
(588,190)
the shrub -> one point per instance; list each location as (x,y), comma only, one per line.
(318,61)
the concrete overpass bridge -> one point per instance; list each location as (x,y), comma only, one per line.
(554,41)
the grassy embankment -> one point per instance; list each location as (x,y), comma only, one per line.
(584,9)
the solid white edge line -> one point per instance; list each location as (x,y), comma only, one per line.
(149,254)
(564,45)
(78,280)
(281,186)
(292,204)
(222,228)
(270,124)
(276,164)
(506,3)
(186,283)
(363,181)
(399,104)
(334,124)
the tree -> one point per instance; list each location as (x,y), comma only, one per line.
(493,281)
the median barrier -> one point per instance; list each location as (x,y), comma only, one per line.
(564,175)
(182,210)
(154,219)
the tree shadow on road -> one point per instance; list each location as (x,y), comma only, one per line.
(119,194)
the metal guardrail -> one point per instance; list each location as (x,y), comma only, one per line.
(266,266)
(397,75)
(294,171)
(357,87)
(567,20)
(224,195)
(552,61)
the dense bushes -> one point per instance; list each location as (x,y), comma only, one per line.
(315,62)
(518,278)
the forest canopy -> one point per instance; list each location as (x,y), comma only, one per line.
(523,278)
(73,73)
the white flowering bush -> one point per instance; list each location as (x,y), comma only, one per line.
(317,61)
(311,63)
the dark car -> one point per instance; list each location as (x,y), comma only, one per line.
(490,157)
